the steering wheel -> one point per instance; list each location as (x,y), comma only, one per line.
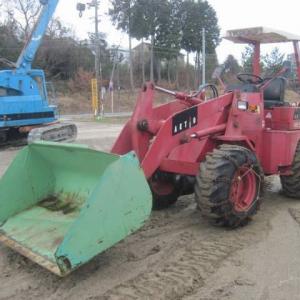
(249,78)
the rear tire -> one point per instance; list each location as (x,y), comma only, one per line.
(228,186)
(291,184)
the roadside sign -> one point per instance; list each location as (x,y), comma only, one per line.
(95,96)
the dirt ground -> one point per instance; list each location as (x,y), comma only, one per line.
(176,255)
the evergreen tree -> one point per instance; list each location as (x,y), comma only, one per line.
(122,16)
(196,16)
(247,59)
(231,69)
(168,39)
(149,20)
(273,62)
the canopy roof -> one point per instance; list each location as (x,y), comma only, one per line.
(262,35)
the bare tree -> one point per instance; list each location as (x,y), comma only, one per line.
(57,29)
(23,13)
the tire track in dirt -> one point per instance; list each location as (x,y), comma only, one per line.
(186,250)
(42,284)
(195,259)
(295,214)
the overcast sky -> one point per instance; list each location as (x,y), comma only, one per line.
(232,14)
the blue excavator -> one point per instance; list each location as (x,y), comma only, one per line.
(25,111)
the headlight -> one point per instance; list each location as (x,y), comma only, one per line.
(242,105)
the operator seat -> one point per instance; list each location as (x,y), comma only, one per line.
(243,87)
(274,93)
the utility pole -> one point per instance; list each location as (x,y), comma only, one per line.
(143,61)
(111,82)
(98,67)
(203,56)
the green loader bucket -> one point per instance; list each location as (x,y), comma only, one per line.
(62,204)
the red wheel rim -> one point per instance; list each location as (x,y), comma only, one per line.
(162,188)
(243,189)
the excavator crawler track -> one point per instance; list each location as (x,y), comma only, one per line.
(61,132)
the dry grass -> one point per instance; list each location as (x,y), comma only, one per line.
(124,101)
(292,96)
(74,104)
(81,103)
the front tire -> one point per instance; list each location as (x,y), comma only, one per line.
(228,186)
(291,184)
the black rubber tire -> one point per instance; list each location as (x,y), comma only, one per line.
(213,185)
(3,137)
(160,202)
(291,184)
(161,199)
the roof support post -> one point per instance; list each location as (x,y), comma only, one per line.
(256,59)
(297,57)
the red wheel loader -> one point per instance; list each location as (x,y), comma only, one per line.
(60,205)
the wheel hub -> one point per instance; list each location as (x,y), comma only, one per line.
(162,188)
(243,188)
